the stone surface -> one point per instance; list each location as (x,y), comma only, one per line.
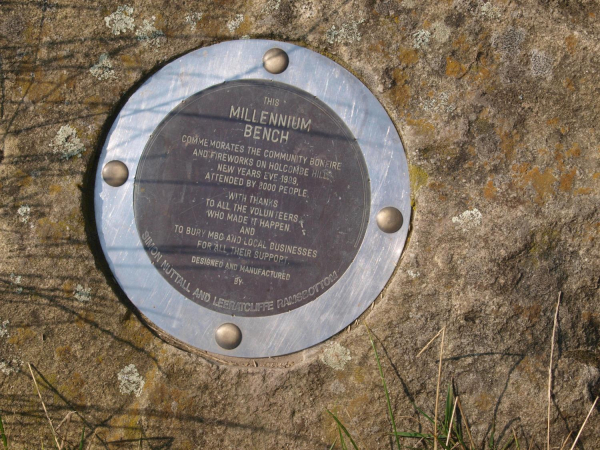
(497,105)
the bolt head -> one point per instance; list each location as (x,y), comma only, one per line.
(115,173)
(228,336)
(389,219)
(275,60)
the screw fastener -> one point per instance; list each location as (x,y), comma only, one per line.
(228,336)
(115,173)
(275,60)
(389,219)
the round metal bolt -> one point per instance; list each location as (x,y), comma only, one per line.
(228,336)
(275,60)
(115,173)
(389,219)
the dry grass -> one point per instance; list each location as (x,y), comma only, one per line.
(58,446)
(447,433)
(4,438)
(550,366)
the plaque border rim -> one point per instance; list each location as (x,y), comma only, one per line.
(362,281)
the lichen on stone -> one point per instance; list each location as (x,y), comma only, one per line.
(413,273)
(16,279)
(468,219)
(489,11)
(10,366)
(104,69)
(23,212)
(120,21)
(193,19)
(66,143)
(418,177)
(149,35)
(130,381)
(271,6)
(346,34)
(335,356)
(438,104)
(4,329)
(421,39)
(541,64)
(235,23)
(509,42)
(337,387)
(83,294)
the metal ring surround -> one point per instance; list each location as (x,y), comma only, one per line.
(356,289)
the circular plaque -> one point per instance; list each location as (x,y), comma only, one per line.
(251,199)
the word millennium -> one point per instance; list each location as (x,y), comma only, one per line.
(273,119)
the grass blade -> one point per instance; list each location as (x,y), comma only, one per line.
(516,440)
(428,344)
(464,418)
(509,444)
(550,371)
(584,422)
(565,441)
(342,441)
(414,435)
(449,432)
(424,436)
(343,428)
(449,403)
(437,390)
(44,406)
(3,435)
(82,438)
(387,394)
(458,432)
(334,442)
(424,414)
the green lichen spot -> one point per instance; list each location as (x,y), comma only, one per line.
(418,178)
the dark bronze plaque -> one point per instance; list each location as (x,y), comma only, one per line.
(252,198)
